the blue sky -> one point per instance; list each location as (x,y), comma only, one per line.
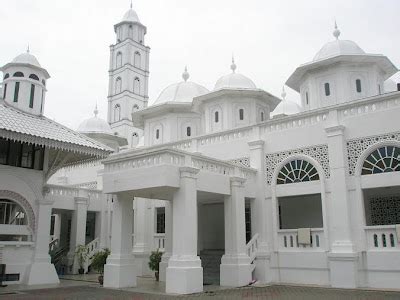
(269,39)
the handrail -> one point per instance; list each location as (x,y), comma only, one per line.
(252,247)
(53,244)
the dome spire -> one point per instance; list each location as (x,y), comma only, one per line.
(185,74)
(131,4)
(336,32)
(283,94)
(96,111)
(27,49)
(233,65)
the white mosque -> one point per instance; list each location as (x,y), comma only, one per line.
(233,184)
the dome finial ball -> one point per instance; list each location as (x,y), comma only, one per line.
(336,32)
(185,74)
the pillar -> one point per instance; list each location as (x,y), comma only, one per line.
(168,241)
(120,272)
(342,258)
(262,220)
(184,271)
(235,263)
(42,271)
(78,228)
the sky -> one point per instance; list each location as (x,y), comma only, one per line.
(269,40)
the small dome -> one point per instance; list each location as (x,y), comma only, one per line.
(286,107)
(390,85)
(183,91)
(234,81)
(26,58)
(338,47)
(95,125)
(130,16)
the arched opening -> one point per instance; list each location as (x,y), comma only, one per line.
(137,60)
(216,117)
(307,99)
(117,113)
(297,230)
(136,86)
(14,219)
(16,91)
(118,60)
(18,74)
(327,89)
(5,91)
(241,114)
(262,116)
(157,134)
(6,76)
(135,139)
(44,82)
(188,131)
(358,86)
(34,77)
(32,96)
(118,85)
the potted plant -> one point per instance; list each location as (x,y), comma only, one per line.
(98,262)
(81,254)
(154,263)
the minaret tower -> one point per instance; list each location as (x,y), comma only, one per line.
(128,76)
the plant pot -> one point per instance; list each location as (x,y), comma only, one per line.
(81,271)
(100,279)
(157,276)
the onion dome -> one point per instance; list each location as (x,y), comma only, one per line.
(26,58)
(182,92)
(234,80)
(286,107)
(95,125)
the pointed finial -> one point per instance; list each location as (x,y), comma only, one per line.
(233,65)
(96,111)
(185,74)
(336,32)
(283,93)
(27,49)
(131,4)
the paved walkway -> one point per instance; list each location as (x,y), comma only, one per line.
(72,289)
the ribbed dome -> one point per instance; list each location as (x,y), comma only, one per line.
(26,58)
(95,125)
(130,16)
(183,91)
(338,47)
(234,80)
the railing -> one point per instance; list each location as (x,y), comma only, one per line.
(53,244)
(57,190)
(288,240)
(252,247)
(382,238)
(159,241)
(214,166)
(92,247)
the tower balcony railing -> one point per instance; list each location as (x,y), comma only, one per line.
(288,240)
(382,238)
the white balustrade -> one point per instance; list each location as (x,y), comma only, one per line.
(159,241)
(288,240)
(252,247)
(382,238)
(57,190)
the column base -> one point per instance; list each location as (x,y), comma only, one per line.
(235,271)
(163,266)
(343,269)
(262,272)
(42,273)
(120,272)
(142,264)
(184,275)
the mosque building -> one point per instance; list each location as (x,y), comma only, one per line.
(232,183)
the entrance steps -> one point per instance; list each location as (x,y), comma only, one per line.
(210,261)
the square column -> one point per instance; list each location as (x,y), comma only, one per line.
(119,272)
(343,259)
(42,271)
(235,263)
(168,241)
(78,228)
(184,271)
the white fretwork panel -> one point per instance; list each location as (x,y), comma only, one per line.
(385,210)
(356,147)
(92,185)
(319,153)
(243,162)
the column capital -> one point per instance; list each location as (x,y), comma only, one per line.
(81,200)
(257,144)
(335,130)
(188,172)
(237,181)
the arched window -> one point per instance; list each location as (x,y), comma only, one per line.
(262,117)
(34,77)
(44,82)
(5,91)
(307,100)
(358,85)
(136,86)
(118,60)
(118,85)
(241,114)
(135,139)
(6,76)
(157,134)
(18,74)
(16,91)
(11,213)
(327,89)
(117,113)
(130,32)
(137,60)
(188,131)
(32,96)
(216,117)
(297,170)
(382,160)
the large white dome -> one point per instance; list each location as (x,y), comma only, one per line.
(234,81)
(26,58)
(183,91)
(95,125)
(130,16)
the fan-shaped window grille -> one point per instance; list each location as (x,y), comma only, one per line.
(382,160)
(297,170)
